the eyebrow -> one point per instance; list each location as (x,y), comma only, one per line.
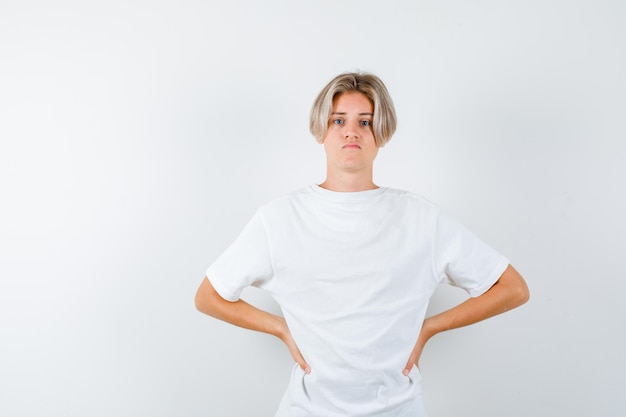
(341,113)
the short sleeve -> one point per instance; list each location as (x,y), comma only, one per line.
(247,261)
(463,260)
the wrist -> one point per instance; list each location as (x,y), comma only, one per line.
(280,328)
(429,327)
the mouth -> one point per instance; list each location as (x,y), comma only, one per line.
(352,146)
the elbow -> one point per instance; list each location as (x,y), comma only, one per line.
(516,289)
(208,301)
(202,299)
(521,293)
(198,301)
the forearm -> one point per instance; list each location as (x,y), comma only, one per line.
(242,314)
(508,292)
(238,313)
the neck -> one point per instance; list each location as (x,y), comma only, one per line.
(347,182)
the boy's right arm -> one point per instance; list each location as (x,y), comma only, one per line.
(242,314)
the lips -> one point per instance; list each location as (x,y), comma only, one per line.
(352,146)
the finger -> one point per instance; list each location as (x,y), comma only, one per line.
(297,356)
(412,361)
(300,360)
(409,366)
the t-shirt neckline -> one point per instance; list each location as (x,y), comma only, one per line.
(347,195)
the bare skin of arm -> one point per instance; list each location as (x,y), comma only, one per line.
(242,314)
(508,292)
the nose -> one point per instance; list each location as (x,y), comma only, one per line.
(351,130)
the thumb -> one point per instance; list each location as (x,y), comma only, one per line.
(416,353)
(414,357)
(296,354)
(410,364)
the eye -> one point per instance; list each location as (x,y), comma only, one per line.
(366,123)
(337,121)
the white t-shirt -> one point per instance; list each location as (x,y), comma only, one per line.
(353,273)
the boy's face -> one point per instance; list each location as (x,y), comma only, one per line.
(349,142)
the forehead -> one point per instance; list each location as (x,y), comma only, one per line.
(352,100)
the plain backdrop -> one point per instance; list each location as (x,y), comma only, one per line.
(138,137)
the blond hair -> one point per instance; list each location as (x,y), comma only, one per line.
(384,123)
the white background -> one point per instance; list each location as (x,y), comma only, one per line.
(137,138)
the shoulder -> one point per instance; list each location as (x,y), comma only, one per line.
(286,202)
(410,200)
